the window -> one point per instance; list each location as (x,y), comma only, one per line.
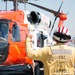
(15,33)
(40,39)
(3,30)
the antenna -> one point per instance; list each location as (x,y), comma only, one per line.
(25,1)
(15,4)
(69,10)
(6,6)
(24,5)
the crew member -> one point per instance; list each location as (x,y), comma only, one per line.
(58,59)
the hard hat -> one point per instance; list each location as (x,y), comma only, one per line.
(62,34)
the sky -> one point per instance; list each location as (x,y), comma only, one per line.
(68,6)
